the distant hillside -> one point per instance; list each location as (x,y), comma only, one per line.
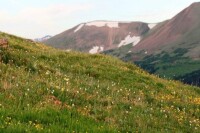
(47,90)
(98,36)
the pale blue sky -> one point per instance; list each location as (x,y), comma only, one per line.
(36,18)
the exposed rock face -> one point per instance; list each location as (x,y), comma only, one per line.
(3,43)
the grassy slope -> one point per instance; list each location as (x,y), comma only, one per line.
(46,90)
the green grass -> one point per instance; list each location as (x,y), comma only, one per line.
(47,90)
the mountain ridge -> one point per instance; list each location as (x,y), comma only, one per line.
(106,34)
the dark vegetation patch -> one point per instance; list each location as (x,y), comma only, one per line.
(192,78)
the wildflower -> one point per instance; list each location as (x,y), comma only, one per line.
(57,87)
(47,72)
(38,126)
(66,79)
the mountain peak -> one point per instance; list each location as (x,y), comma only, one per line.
(194,8)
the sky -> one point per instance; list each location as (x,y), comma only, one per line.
(37,18)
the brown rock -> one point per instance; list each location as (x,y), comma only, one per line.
(3,43)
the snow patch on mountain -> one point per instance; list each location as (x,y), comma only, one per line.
(128,40)
(96,49)
(110,24)
(79,27)
(151,26)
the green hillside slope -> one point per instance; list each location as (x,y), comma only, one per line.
(47,90)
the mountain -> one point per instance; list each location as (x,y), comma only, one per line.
(99,36)
(43,38)
(171,49)
(48,90)
(180,32)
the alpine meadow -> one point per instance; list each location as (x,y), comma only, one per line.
(101,76)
